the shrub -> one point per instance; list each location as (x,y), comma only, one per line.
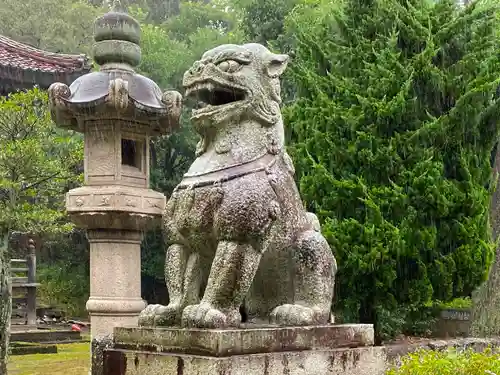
(457,303)
(64,287)
(449,362)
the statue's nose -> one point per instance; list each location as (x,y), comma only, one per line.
(199,67)
(196,68)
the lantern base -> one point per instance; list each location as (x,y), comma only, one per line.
(115,207)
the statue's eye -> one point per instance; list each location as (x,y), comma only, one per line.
(229,66)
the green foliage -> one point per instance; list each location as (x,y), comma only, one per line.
(55,25)
(194,16)
(391,136)
(449,363)
(64,273)
(457,303)
(172,157)
(63,289)
(155,11)
(263,20)
(170,49)
(161,10)
(163,58)
(38,163)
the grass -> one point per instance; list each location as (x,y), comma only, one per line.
(71,359)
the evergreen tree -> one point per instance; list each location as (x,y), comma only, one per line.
(263,20)
(392,137)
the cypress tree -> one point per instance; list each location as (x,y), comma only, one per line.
(392,136)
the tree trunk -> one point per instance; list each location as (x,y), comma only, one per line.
(5,302)
(486,308)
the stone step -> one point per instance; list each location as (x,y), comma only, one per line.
(20,311)
(19,280)
(18,261)
(45,336)
(16,270)
(24,285)
(18,321)
(19,300)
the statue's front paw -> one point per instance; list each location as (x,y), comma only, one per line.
(159,315)
(147,316)
(297,315)
(203,316)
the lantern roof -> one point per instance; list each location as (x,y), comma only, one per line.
(116,92)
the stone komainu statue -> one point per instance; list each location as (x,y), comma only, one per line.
(237,231)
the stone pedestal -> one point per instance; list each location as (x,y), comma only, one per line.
(317,350)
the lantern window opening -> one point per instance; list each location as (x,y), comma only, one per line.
(132,153)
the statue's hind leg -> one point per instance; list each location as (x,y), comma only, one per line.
(231,275)
(314,279)
(183,279)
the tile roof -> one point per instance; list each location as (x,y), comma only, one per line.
(21,56)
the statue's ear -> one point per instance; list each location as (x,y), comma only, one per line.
(277,65)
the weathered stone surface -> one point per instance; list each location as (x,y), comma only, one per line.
(115,207)
(452,323)
(99,346)
(230,342)
(361,361)
(44,336)
(456,314)
(237,231)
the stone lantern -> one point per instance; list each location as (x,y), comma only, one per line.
(118,111)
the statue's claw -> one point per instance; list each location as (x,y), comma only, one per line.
(295,315)
(203,316)
(146,317)
(159,315)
